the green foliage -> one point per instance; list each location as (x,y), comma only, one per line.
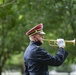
(18,16)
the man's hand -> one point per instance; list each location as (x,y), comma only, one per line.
(61,43)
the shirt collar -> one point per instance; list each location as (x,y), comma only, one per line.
(38,43)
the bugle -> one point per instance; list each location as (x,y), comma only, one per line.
(54,42)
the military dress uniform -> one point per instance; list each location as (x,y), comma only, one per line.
(37,59)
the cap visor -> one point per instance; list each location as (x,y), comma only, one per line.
(41,32)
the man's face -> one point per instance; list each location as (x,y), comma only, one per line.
(40,37)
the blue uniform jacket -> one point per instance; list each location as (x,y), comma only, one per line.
(37,59)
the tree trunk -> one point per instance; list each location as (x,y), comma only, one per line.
(0,70)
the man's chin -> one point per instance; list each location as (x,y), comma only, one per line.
(42,42)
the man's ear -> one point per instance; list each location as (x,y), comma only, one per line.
(35,38)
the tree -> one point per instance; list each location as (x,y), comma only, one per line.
(17,17)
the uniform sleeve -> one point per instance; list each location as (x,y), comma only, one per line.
(45,58)
(26,70)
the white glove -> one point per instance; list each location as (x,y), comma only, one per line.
(61,43)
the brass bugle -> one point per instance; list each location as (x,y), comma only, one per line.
(55,42)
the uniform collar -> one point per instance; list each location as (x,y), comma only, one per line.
(38,43)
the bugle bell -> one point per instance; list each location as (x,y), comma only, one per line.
(54,42)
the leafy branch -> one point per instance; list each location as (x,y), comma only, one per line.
(3,5)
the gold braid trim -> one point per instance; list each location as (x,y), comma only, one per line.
(35,32)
